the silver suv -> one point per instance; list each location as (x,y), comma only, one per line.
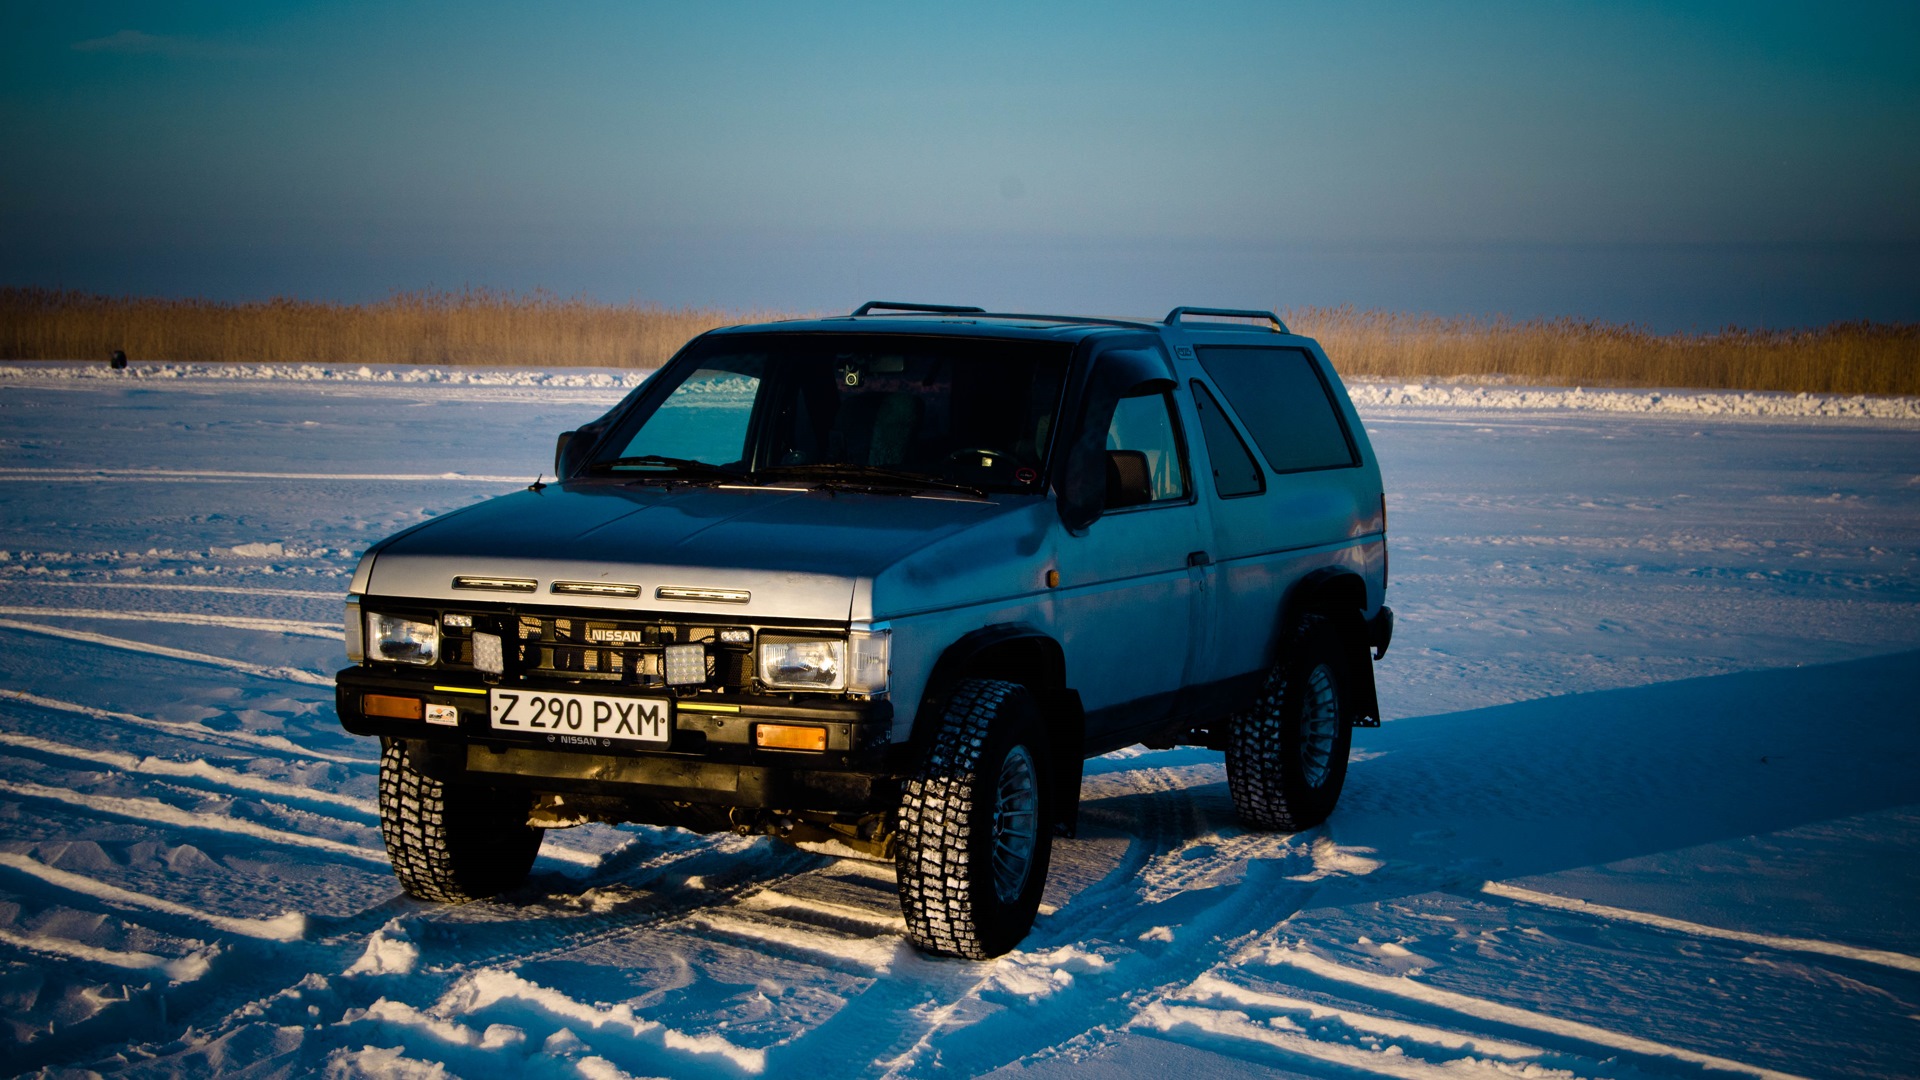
(877,585)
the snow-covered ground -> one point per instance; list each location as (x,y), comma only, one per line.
(1647,803)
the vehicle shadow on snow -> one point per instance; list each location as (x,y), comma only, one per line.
(1456,799)
(1559,783)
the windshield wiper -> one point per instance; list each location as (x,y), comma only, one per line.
(688,466)
(862,475)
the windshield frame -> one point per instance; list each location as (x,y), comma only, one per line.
(616,440)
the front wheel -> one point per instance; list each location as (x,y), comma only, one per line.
(1287,755)
(452,842)
(975,828)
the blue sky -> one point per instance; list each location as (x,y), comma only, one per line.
(1669,164)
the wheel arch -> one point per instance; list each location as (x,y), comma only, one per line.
(1028,655)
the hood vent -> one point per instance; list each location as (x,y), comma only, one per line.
(495,584)
(594,588)
(705,596)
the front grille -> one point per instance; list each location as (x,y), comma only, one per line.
(592,648)
(623,651)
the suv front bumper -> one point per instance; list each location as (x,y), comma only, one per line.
(710,757)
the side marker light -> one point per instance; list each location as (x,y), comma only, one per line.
(789,737)
(397,708)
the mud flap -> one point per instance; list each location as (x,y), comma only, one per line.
(1364,705)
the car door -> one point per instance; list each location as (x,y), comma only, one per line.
(1132,588)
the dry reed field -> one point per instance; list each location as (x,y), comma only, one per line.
(1840,358)
(540,329)
(475,327)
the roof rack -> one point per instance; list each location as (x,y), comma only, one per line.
(1174,317)
(943,309)
(951,309)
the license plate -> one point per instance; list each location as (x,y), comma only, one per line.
(581,719)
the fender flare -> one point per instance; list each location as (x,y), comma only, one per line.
(1022,653)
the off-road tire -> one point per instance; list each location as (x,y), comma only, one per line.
(452,842)
(1287,755)
(944,847)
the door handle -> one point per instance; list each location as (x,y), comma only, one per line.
(1199,558)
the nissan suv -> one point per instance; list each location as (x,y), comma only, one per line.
(877,585)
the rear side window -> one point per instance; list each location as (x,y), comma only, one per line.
(1234,470)
(1285,403)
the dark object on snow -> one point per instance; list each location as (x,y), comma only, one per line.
(119,360)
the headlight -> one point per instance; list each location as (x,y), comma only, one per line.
(803,663)
(401,641)
(857,662)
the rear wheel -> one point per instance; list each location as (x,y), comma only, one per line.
(1287,756)
(452,842)
(975,829)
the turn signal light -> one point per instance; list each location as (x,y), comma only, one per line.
(789,737)
(399,708)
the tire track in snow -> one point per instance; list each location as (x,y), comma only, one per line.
(1408,989)
(181,969)
(189,729)
(539,937)
(1235,1030)
(192,770)
(288,927)
(1901,961)
(1097,913)
(302,628)
(1212,987)
(479,991)
(925,1010)
(488,949)
(282,674)
(155,812)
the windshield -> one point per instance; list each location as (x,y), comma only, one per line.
(976,412)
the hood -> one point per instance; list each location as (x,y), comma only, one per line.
(795,554)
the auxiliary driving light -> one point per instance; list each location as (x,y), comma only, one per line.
(686,665)
(488,656)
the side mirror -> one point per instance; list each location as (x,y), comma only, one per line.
(1129,480)
(571,450)
(1086,488)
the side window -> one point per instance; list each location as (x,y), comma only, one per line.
(1146,424)
(1286,405)
(705,418)
(1234,470)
